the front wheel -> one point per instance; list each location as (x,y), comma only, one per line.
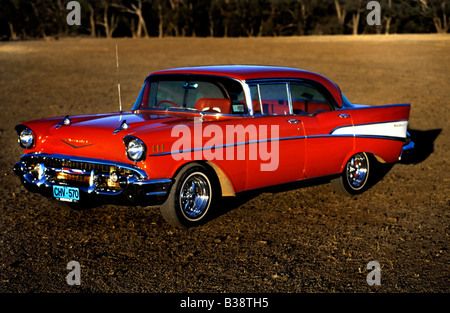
(191,198)
(355,176)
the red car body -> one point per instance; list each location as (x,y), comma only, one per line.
(314,129)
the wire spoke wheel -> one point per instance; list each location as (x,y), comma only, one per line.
(357,170)
(354,177)
(195,196)
(192,197)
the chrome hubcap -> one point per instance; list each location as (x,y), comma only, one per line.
(195,196)
(357,170)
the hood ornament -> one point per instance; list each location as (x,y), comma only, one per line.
(122,126)
(66,122)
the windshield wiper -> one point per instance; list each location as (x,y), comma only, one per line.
(181,108)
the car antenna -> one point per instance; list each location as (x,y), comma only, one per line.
(118,79)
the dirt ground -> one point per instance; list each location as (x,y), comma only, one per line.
(302,238)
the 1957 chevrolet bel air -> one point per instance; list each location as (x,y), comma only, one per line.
(197,134)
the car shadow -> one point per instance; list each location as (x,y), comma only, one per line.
(423,145)
(228,204)
(423,148)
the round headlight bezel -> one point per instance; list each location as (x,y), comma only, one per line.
(136,150)
(26,138)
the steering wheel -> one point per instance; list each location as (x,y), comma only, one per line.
(166,101)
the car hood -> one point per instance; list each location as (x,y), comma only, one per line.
(98,136)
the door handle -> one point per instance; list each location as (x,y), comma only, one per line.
(293,121)
(344,115)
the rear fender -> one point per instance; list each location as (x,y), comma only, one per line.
(378,130)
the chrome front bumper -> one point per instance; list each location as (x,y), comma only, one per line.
(96,179)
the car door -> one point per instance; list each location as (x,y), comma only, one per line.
(280,144)
(324,151)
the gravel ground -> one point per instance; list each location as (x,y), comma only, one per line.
(295,239)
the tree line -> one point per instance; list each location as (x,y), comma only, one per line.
(20,19)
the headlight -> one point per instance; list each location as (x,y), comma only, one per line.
(26,138)
(136,149)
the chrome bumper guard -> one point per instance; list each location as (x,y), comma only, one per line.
(38,173)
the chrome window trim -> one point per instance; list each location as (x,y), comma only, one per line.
(259,100)
(248,98)
(200,113)
(288,89)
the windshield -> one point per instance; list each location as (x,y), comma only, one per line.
(192,93)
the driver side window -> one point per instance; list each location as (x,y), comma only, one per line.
(199,95)
(166,91)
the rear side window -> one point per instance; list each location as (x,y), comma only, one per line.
(307,99)
(305,92)
(283,98)
(270,99)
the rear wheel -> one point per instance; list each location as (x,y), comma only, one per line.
(355,176)
(191,198)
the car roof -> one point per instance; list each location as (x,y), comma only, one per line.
(248,72)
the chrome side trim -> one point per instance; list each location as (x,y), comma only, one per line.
(152,182)
(275,139)
(362,124)
(357,107)
(394,129)
(156,193)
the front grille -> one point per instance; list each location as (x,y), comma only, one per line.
(84,166)
(76,173)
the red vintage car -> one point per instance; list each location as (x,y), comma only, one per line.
(197,134)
